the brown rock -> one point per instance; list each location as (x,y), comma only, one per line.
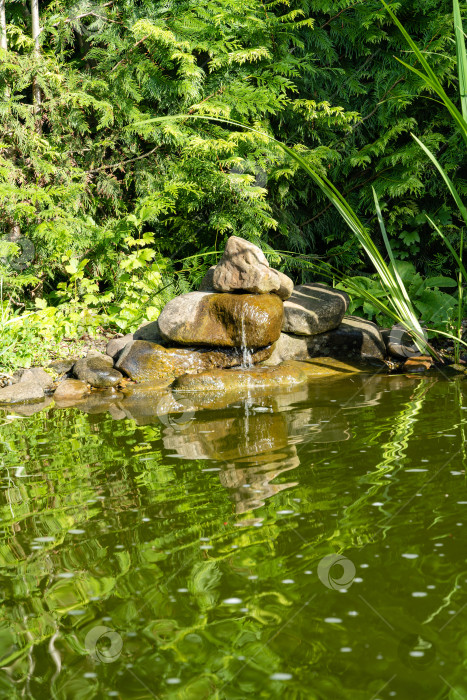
(418,364)
(244,268)
(286,374)
(225,320)
(71,390)
(143,361)
(97,371)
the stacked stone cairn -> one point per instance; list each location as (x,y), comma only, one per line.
(244,312)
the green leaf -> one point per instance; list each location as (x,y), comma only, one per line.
(461,57)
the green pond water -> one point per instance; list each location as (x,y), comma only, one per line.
(307,544)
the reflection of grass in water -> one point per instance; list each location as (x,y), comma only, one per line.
(393,451)
(54,499)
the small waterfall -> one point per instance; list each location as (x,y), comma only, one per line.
(247,362)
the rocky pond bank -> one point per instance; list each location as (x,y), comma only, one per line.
(246,329)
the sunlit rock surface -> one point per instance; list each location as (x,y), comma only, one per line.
(287,374)
(143,361)
(97,371)
(23,392)
(71,390)
(244,267)
(314,308)
(224,320)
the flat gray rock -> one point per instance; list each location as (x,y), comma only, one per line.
(150,332)
(35,375)
(207,283)
(116,345)
(289,347)
(399,343)
(63,366)
(314,308)
(22,392)
(355,338)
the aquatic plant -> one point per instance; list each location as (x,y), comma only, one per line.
(433,84)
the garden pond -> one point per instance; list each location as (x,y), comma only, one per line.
(300,544)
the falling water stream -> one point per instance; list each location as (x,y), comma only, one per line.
(247,353)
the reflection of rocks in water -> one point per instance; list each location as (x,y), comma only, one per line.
(253,446)
(230,438)
(146,403)
(251,485)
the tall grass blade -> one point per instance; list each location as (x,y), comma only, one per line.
(461,57)
(388,247)
(451,248)
(446,178)
(429,76)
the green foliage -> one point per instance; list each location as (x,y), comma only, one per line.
(83,182)
(436,307)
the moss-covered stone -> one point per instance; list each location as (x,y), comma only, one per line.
(143,361)
(224,320)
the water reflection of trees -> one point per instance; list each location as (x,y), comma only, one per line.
(150,538)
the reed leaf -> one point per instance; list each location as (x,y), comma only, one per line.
(451,187)
(429,77)
(461,57)
(450,247)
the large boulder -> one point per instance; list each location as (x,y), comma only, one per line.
(314,308)
(244,267)
(224,320)
(143,361)
(97,370)
(354,338)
